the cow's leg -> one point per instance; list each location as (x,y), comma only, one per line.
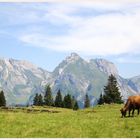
(129,112)
(133,112)
(138,111)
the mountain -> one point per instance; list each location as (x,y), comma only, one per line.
(105,66)
(127,86)
(78,77)
(21,80)
(134,83)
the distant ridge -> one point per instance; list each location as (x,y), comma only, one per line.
(21,80)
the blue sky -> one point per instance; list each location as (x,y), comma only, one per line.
(45,33)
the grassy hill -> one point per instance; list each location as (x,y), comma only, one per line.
(44,122)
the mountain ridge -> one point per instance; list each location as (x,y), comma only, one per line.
(21,79)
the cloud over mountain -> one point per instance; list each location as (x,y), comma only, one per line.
(89,30)
(108,30)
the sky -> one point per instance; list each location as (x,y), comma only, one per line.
(46,33)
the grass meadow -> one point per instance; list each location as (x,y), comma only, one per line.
(43,122)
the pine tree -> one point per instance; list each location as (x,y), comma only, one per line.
(101,100)
(58,99)
(2,99)
(67,101)
(73,101)
(48,99)
(35,100)
(40,100)
(111,91)
(87,102)
(76,107)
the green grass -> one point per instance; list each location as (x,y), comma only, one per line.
(98,122)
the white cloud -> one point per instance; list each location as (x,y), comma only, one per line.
(113,29)
(105,34)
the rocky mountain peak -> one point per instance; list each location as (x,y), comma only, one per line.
(10,63)
(73,57)
(21,79)
(106,66)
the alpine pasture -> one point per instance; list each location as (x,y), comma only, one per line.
(102,121)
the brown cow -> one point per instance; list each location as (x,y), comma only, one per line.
(133,102)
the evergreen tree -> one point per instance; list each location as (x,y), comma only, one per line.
(67,101)
(111,91)
(35,100)
(76,107)
(87,102)
(40,100)
(2,99)
(101,100)
(73,101)
(48,99)
(58,99)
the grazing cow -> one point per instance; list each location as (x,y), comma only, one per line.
(133,102)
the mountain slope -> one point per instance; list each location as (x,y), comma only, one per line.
(21,80)
(136,80)
(127,86)
(78,77)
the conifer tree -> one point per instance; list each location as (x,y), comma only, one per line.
(76,107)
(73,101)
(111,91)
(101,100)
(2,99)
(48,99)
(67,101)
(40,100)
(35,100)
(58,99)
(87,102)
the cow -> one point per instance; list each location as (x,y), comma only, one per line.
(133,102)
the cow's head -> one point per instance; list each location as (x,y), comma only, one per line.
(123,112)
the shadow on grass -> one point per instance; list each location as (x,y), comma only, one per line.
(126,117)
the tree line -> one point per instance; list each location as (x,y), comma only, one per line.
(110,95)
(67,102)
